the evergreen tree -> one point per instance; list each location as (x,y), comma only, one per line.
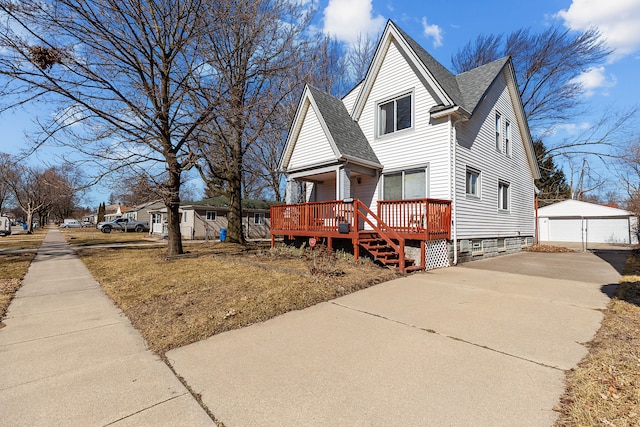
(101,212)
(552,183)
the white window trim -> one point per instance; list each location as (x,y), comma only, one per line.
(501,184)
(424,169)
(498,132)
(508,140)
(215,215)
(261,216)
(478,193)
(410,93)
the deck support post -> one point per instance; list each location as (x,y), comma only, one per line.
(273,241)
(423,255)
(356,248)
(330,244)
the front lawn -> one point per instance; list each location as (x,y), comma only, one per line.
(217,287)
(93,236)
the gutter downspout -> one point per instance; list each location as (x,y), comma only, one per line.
(454,210)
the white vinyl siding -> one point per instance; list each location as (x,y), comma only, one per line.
(312,146)
(477,146)
(427,142)
(350,99)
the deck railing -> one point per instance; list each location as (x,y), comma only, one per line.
(313,217)
(428,217)
(420,219)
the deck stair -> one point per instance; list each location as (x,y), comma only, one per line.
(384,252)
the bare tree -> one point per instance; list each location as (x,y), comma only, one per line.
(63,195)
(28,188)
(135,189)
(127,71)
(253,52)
(547,65)
(359,56)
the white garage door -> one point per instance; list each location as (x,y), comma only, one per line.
(565,230)
(608,230)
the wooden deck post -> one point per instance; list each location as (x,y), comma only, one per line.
(356,248)
(423,254)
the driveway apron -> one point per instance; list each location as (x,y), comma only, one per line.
(68,356)
(477,345)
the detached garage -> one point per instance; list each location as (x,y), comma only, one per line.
(582,222)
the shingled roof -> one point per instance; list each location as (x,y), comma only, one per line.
(347,135)
(466,89)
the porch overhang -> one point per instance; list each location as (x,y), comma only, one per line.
(356,166)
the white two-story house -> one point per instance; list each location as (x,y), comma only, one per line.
(418,166)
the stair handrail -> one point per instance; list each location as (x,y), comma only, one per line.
(386,235)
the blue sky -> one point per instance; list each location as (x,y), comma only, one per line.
(443,27)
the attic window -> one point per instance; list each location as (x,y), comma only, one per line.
(395,115)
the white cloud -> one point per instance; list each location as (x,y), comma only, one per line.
(595,78)
(568,129)
(347,19)
(617,20)
(433,31)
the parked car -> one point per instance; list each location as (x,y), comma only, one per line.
(71,223)
(123,224)
(5,226)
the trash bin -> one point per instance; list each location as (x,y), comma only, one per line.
(25,226)
(223,234)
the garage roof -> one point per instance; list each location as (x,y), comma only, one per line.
(577,208)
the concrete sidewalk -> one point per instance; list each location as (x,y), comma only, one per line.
(458,347)
(68,356)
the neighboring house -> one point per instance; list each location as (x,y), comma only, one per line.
(90,219)
(413,157)
(204,219)
(142,212)
(112,212)
(581,222)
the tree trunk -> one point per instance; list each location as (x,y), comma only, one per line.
(234,218)
(29,221)
(172,202)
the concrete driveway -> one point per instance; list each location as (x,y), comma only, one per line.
(484,344)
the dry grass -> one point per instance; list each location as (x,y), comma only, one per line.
(548,249)
(604,389)
(13,266)
(219,287)
(93,236)
(23,240)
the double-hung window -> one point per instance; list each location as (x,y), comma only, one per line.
(473,182)
(498,132)
(503,195)
(395,115)
(507,138)
(258,218)
(410,184)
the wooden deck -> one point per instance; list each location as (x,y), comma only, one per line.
(383,233)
